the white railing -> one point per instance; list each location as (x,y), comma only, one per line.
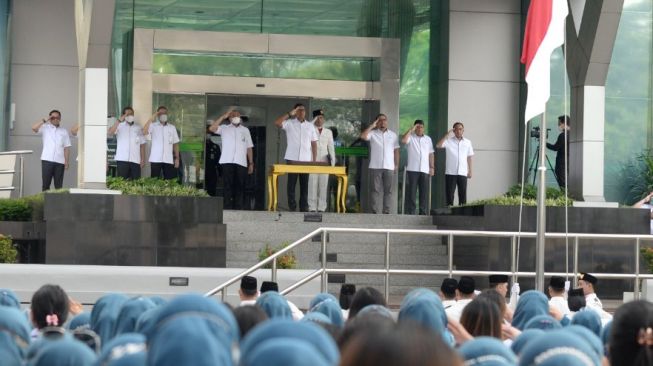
(323,272)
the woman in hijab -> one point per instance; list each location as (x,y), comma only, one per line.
(531,304)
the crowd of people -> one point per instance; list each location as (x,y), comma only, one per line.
(459,326)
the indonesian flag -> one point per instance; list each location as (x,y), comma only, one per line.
(544,33)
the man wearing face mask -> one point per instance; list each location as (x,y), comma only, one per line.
(236,159)
(164,155)
(318,183)
(458,167)
(420,167)
(301,137)
(384,161)
(56,149)
(130,148)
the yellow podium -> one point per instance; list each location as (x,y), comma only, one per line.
(281,169)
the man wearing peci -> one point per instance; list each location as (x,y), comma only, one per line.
(458,167)
(301,138)
(56,149)
(420,167)
(237,158)
(326,153)
(130,145)
(164,155)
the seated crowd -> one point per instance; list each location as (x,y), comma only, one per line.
(466,328)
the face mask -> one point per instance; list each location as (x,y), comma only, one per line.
(235,120)
(129,119)
(163,118)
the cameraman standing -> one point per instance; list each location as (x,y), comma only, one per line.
(561,148)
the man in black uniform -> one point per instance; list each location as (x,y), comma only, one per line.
(559,146)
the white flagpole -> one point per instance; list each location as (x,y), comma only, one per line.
(541,210)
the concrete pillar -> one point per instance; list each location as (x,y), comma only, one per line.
(589,51)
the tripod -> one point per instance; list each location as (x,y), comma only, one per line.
(532,167)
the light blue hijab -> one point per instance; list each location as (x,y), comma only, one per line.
(531,304)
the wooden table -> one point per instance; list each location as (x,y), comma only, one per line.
(281,169)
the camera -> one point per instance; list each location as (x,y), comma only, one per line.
(535,132)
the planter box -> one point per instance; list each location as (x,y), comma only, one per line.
(134,230)
(29,237)
(594,255)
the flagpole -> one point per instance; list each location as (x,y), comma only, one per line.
(541,210)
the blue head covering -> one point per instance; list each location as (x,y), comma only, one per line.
(524,338)
(418,293)
(589,319)
(285,328)
(147,319)
(531,304)
(127,349)
(487,351)
(330,308)
(558,348)
(14,335)
(544,322)
(274,305)
(129,314)
(194,304)
(198,339)
(158,300)
(587,335)
(63,352)
(376,309)
(285,352)
(426,309)
(316,317)
(8,298)
(105,313)
(81,320)
(321,297)
(605,336)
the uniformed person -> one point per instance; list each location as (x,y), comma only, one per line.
(448,292)
(464,295)
(557,293)
(588,283)
(499,283)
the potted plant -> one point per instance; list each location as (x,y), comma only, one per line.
(8,252)
(286,261)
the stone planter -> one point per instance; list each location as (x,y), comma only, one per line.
(134,230)
(29,237)
(594,255)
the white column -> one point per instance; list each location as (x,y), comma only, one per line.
(93,129)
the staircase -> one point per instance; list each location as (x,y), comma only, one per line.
(249,231)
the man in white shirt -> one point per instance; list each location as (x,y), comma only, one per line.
(646,204)
(130,146)
(248,292)
(420,167)
(499,283)
(326,153)
(458,162)
(164,155)
(448,292)
(384,162)
(236,159)
(588,283)
(557,293)
(56,149)
(464,295)
(301,138)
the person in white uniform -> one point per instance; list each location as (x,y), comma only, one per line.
(448,292)
(420,167)
(248,291)
(458,167)
(164,155)
(56,149)
(301,138)
(557,293)
(326,153)
(384,162)
(588,283)
(464,295)
(130,145)
(236,159)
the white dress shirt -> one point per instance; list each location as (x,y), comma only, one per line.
(236,139)
(457,153)
(419,149)
(560,303)
(382,149)
(456,310)
(129,139)
(325,147)
(592,302)
(163,139)
(55,139)
(299,136)
(448,303)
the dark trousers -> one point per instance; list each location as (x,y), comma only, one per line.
(560,175)
(128,170)
(415,181)
(235,178)
(303,192)
(52,171)
(451,181)
(169,171)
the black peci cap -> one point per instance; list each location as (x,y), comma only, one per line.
(498,278)
(269,286)
(248,283)
(588,278)
(466,285)
(557,283)
(318,112)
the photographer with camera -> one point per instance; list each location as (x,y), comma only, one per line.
(561,148)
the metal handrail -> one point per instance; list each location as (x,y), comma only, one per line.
(21,176)
(323,272)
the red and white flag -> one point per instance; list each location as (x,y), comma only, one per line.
(544,33)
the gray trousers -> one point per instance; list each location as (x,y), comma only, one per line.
(381,187)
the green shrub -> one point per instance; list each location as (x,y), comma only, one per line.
(286,261)
(647,253)
(554,197)
(153,187)
(14,210)
(637,177)
(8,252)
